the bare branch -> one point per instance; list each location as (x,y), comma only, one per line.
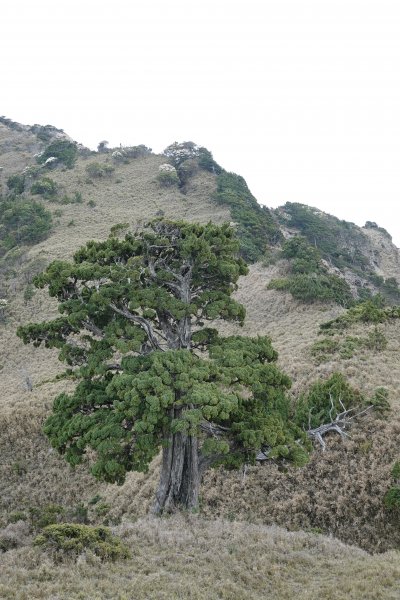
(339,424)
(144,324)
(93,328)
(213,430)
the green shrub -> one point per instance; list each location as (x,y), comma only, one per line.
(22,222)
(167,176)
(136,151)
(312,287)
(391,499)
(323,349)
(16,183)
(380,400)
(45,186)
(98,170)
(17,515)
(396,470)
(178,152)
(364,312)
(46,515)
(325,400)
(305,258)
(330,235)
(64,150)
(207,162)
(77,538)
(350,345)
(186,170)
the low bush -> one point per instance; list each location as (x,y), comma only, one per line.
(324,400)
(167,176)
(364,312)
(380,400)
(186,170)
(391,499)
(46,515)
(98,170)
(376,340)
(137,151)
(323,349)
(305,258)
(45,187)
(77,538)
(16,183)
(22,222)
(63,150)
(310,287)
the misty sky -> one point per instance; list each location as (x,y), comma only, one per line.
(301,97)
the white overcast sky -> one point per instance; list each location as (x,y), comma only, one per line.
(301,97)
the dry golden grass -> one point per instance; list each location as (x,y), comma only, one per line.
(190,558)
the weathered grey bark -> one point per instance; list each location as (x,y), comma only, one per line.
(180,475)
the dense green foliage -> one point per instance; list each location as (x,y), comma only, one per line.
(22,222)
(72,538)
(45,187)
(16,183)
(132,330)
(255,225)
(370,311)
(391,499)
(304,258)
(310,287)
(325,400)
(396,470)
(337,241)
(64,150)
(340,243)
(309,279)
(168,178)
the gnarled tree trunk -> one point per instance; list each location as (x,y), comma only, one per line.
(180,475)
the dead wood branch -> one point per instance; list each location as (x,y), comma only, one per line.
(339,424)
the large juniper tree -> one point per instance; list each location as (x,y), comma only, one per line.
(150,375)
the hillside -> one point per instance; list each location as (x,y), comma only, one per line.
(340,492)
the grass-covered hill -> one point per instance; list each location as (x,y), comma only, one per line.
(307,268)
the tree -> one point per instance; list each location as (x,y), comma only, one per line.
(150,374)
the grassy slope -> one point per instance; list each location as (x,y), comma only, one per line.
(192,558)
(32,475)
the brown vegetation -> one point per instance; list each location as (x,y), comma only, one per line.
(189,557)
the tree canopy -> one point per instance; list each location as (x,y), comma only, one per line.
(150,373)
